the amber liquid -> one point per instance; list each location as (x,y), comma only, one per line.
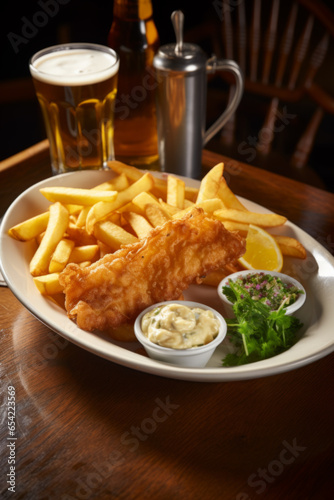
(79,124)
(136,42)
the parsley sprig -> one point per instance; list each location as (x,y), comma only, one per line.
(257,332)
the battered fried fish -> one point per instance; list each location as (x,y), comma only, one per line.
(115,289)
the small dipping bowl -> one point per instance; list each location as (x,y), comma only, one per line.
(194,357)
(228,305)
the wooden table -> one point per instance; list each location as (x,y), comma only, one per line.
(87,428)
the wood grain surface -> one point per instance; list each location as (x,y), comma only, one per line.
(87,428)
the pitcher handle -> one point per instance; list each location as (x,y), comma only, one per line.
(225,65)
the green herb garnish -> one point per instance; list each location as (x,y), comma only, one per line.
(256,331)
(270,290)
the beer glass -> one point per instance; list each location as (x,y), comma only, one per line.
(76,86)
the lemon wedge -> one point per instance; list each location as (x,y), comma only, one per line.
(262,251)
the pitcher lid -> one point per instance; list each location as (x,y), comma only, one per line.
(191,58)
(179,56)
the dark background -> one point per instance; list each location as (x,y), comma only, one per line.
(76,21)
(86,20)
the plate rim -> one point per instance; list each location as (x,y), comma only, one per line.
(137,361)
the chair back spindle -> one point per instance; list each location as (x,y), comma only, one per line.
(270,41)
(286,45)
(300,52)
(255,37)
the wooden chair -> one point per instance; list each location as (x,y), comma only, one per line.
(281,48)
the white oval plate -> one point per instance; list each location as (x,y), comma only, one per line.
(316,273)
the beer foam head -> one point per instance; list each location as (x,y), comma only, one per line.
(74,66)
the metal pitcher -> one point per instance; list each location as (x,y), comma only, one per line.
(181,72)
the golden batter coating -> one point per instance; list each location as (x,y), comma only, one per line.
(115,289)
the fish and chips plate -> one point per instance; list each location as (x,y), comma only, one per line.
(96,223)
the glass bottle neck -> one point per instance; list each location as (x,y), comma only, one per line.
(133,9)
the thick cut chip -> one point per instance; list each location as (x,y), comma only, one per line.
(112,235)
(291,246)
(132,173)
(258,219)
(48,284)
(55,230)
(85,253)
(61,255)
(156,215)
(228,197)
(77,196)
(241,227)
(118,183)
(169,209)
(175,192)
(81,220)
(30,228)
(139,224)
(143,199)
(210,183)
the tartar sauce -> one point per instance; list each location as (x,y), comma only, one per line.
(180,327)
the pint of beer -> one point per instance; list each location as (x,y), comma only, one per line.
(76,86)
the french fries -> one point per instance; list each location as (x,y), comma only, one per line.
(243,216)
(143,199)
(211,183)
(83,225)
(102,208)
(55,230)
(290,246)
(61,255)
(230,199)
(84,253)
(112,235)
(31,228)
(155,214)
(209,206)
(117,184)
(48,284)
(139,224)
(77,196)
(175,192)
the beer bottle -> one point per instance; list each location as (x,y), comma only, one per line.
(133,35)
